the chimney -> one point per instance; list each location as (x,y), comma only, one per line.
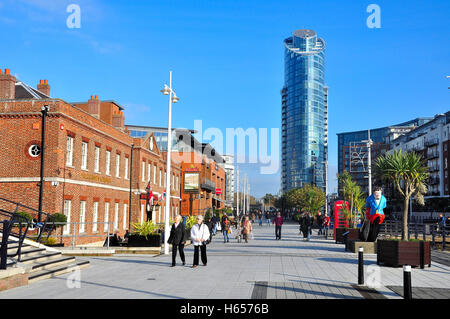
(118,120)
(43,87)
(7,85)
(94,106)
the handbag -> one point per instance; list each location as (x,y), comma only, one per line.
(170,240)
(206,242)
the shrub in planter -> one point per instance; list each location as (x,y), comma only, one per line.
(24,216)
(396,252)
(146,234)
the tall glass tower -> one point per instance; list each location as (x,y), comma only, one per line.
(304,103)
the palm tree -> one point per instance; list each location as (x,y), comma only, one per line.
(408,173)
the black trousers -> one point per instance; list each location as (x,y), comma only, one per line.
(180,248)
(374,230)
(277,231)
(202,248)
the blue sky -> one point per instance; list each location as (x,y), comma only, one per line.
(227,59)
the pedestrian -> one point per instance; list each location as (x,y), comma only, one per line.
(199,238)
(246,228)
(226,230)
(326,224)
(268,218)
(319,220)
(441,222)
(177,239)
(253,217)
(214,221)
(260,216)
(278,221)
(306,226)
(223,218)
(210,225)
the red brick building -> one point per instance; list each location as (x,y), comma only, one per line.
(88,163)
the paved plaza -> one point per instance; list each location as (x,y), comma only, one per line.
(264,268)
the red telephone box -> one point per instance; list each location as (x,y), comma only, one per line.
(339,217)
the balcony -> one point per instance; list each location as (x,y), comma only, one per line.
(434,180)
(431,142)
(431,155)
(434,168)
(208,185)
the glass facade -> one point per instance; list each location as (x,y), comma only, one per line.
(303,111)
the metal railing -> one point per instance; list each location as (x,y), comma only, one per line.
(74,231)
(393,228)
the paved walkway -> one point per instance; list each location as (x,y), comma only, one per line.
(263,268)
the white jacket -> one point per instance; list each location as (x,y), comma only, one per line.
(201,232)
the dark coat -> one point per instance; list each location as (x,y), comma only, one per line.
(178,233)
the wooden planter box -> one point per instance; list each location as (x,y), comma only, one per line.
(354,245)
(142,241)
(398,253)
(353,235)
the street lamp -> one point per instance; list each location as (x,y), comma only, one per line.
(44,111)
(167,90)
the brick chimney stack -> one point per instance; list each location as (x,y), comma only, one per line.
(7,85)
(118,120)
(43,87)
(94,106)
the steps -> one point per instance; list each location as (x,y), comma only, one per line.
(41,263)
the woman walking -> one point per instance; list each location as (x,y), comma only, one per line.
(306,226)
(278,221)
(177,235)
(247,228)
(199,237)
(226,229)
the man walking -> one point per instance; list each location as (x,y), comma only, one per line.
(278,221)
(326,224)
(319,223)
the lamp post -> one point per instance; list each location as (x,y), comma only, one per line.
(167,90)
(44,111)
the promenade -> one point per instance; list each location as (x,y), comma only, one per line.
(264,268)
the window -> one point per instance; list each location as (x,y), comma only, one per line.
(176,185)
(84,149)
(143,171)
(126,168)
(154,175)
(142,212)
(165,178)
(97,159)
(108,163)
(117,165)
(160,174)
(116,216)
(82,216)
(95,217)
(67,209)
(105,226)
(149,169)
(69,153)
(125,211)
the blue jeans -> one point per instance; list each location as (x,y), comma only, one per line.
(225,236)
(214,229)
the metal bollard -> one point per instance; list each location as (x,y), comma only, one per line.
(407,291)
(361,266)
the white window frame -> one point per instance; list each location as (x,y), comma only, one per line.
(154,174)
(84,155)
(126,168)
(108,163)
(142,212)
(67,210)
(116,216)
(117,165)
(160,174)
(165,179)
(95,217)
(125,211)
(143,171)
(69,151)
(149,169)
(97,159)
(106,218)
(81,228)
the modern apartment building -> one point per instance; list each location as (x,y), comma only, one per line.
(304,102)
